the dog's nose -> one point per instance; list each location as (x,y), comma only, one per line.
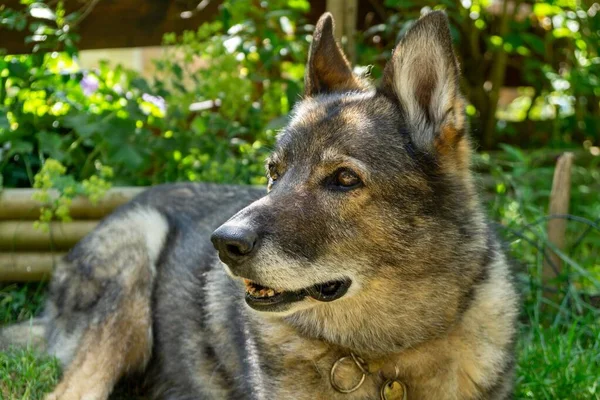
(234,243)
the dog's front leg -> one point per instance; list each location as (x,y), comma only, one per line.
(107,352)
(100,318)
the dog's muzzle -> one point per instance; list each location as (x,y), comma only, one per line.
(236,244)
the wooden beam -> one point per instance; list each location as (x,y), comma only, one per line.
(27,267)
(123,23)
(559,205)
(16,204)
(345,14)
(21,235)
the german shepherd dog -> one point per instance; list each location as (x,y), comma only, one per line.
(367,271)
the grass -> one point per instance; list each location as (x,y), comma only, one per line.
(25,375)
(559,341)
(19,302)
(560,362)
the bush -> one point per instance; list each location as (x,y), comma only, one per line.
(210,115)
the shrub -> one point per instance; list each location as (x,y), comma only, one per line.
(210,115)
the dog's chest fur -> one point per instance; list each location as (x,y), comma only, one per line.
(464,363)
(439,370)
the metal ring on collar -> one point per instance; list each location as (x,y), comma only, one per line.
(395,378)
(359,363)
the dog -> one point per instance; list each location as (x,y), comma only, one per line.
(367,270)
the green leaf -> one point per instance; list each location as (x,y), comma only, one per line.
(293,92)
(51,144)
(4,122)
(128,156)
(20,147)
(562,33)
(41,11)
(199,125)
(178,71)
(82,125)
(534,42)
(544,9)
(513,152)
(141,84)
(301,5)
(17,69)
(118,131)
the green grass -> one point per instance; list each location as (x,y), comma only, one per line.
(559,341)
(560,362)
(25,375)
(19,302)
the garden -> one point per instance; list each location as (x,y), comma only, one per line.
(220,92)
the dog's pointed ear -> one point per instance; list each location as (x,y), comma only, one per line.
(327,69)
(423,75)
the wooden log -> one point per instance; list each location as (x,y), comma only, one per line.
(345,14)
(122,23)
(27,267)
(139,23)
(559,205)
(21,235)
(17,204)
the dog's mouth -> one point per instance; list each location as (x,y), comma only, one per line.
(264,298)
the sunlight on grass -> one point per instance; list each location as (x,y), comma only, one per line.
(560,362)
(25,375)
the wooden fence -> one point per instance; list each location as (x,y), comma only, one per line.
(29,254)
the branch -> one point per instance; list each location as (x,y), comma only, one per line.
(86,11)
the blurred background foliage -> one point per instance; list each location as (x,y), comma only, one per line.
(210,114)
(542,55)
(531,74)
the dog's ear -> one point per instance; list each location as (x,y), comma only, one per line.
(327,69)
(423,75)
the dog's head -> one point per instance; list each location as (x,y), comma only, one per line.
(371,220)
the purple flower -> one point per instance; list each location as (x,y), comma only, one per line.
(156,100)
(89,84)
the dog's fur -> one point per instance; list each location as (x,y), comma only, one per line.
(431,293)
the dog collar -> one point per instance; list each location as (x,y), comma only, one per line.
(391,389)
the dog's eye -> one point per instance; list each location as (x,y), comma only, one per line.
(272,174)
(345,179)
